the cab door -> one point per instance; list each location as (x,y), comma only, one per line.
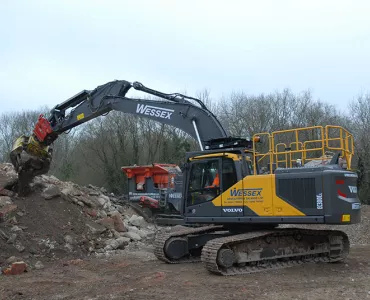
(232,187)
(202,198)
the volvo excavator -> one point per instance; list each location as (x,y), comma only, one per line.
(296,176)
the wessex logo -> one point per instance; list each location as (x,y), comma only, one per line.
(246,192)
(164,113)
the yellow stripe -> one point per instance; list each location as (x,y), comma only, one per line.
(223,154)
(258,193)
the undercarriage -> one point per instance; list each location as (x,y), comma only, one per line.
(225,253)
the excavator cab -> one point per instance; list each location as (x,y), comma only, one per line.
(304,180)
(211,201)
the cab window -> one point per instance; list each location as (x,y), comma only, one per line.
(229,176)
(204,181)
(250,168)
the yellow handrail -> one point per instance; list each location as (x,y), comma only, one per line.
(307,143)
(277,153)
(268,154)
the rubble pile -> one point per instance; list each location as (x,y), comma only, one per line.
(62,219)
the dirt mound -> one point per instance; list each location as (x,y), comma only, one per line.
(61,219)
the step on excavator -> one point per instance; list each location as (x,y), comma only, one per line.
(239,190)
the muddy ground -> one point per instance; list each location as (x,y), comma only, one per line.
(138,275)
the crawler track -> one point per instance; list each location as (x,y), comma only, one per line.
(274,249)
(162,240)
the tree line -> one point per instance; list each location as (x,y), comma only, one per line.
(94,152)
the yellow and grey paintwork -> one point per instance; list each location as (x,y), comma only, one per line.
(254,198)
(258,194)
(265,203)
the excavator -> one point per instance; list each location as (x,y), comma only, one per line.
(241,191)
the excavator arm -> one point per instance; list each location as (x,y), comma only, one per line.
(31,155)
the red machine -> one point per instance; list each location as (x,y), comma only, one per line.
(156,187)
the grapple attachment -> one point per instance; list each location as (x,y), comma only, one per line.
(32,154)
(29,158)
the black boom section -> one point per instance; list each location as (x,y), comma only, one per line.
(174,109)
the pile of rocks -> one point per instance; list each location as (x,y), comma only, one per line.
(62,219)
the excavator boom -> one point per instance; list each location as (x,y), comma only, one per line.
(31,155)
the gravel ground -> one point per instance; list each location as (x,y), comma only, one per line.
(138,275)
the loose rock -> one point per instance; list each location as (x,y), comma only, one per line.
(94,193)
(106,222)
(117,243)
(71,191)
(7,211)
(19,247)
(3,235)
(91,212)
(5,200)
(12,238)
(12,259)
(15,228)
(69,240)
(95,228)
(85,201)
(118,223)
(39,265)
(51,192)
(17,268)
(104,201)
(5,192)
(137,221)
(142,233)
(132,235)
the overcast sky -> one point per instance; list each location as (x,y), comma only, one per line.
(51,50)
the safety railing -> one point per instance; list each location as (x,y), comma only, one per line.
(344,139)
(262,157)
(298,147)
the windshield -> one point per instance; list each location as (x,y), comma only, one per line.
(204,181)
